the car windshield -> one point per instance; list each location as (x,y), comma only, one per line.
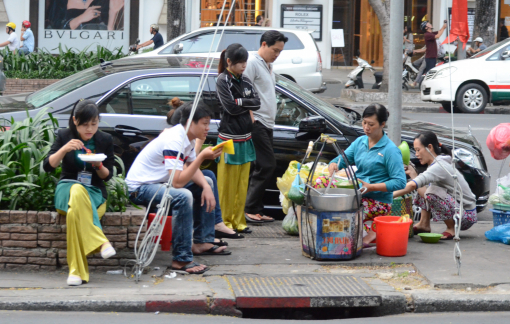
(332,111)
(490,49)
(63,87)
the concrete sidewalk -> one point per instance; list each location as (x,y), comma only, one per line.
(424,280)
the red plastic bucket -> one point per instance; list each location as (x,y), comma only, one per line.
(166,236)
(392,238)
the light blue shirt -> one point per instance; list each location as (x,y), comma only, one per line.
(29,41)
(381,164)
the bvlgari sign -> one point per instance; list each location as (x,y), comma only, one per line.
(82,23)
(303,17)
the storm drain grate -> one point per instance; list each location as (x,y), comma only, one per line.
(268,230)
(303,291)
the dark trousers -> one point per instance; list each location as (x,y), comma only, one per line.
(431,62)
(262,168)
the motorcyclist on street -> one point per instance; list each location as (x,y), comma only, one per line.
(13,40)
(480,46)
(157,39)
(27,37)
(430,48)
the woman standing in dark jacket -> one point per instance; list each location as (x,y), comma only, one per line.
(81,192)
(238,98)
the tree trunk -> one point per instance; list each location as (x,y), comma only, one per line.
(382,10)
(485,21)
(175,19)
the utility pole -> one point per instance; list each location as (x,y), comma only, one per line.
(395,63)
(175,19)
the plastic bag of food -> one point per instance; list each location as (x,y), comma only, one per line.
(285,204)
(499,233)
(320,170)
(290,223)
(296,192)
(285,182)
(503,190)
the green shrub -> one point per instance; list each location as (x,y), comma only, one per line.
(44,65)
(12,74)
(24,185)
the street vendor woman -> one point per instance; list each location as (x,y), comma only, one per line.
(436,187)
(379,163)
(81,192)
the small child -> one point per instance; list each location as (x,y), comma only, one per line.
(238,99)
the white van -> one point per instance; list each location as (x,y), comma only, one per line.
(300,60)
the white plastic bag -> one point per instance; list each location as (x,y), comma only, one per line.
(503,190)
(290,223)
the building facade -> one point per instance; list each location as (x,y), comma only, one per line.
(352,20)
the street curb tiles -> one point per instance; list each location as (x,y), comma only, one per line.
(436,302)
(75,306)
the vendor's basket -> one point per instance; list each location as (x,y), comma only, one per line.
(500,217)
(403,206)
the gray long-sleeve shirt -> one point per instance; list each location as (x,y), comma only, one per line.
(263,78)
(436,175)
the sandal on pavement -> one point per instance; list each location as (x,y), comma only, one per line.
(108,251)
(447,236)
(211,252)
(220,243)
(74,281)
(266,219)
(251,220)
(417,231)
(244,231)
(221,235)
(189,266)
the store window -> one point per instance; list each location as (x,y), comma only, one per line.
(343,18)
(244,13)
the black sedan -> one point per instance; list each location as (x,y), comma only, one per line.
(133,97)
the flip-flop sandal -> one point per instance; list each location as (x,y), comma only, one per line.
(267,218)
(447,236)
(211,252)
(368,245)
(251,220)
(417,231)
(220,243)
(245,231)
(220,235)
(189,266)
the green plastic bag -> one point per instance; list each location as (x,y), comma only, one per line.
(296,192)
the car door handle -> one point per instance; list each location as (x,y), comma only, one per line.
(127,131)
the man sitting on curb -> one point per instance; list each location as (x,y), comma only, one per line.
(193,199)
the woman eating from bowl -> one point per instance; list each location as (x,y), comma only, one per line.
(379,163)
(81,192)
(435,187)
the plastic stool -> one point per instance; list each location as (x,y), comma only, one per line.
(166,236)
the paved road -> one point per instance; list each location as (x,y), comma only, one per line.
(28,317)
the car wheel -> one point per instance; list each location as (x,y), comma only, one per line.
(472,98)
(447,106)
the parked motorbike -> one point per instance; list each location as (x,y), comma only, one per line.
(356,76)
(132,48)
(410,72)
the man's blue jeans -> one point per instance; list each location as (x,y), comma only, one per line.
(190,221)
(23,50)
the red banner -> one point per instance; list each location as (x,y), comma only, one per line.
(459,23)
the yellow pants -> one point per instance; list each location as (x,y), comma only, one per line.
(233,188)
(83,237)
